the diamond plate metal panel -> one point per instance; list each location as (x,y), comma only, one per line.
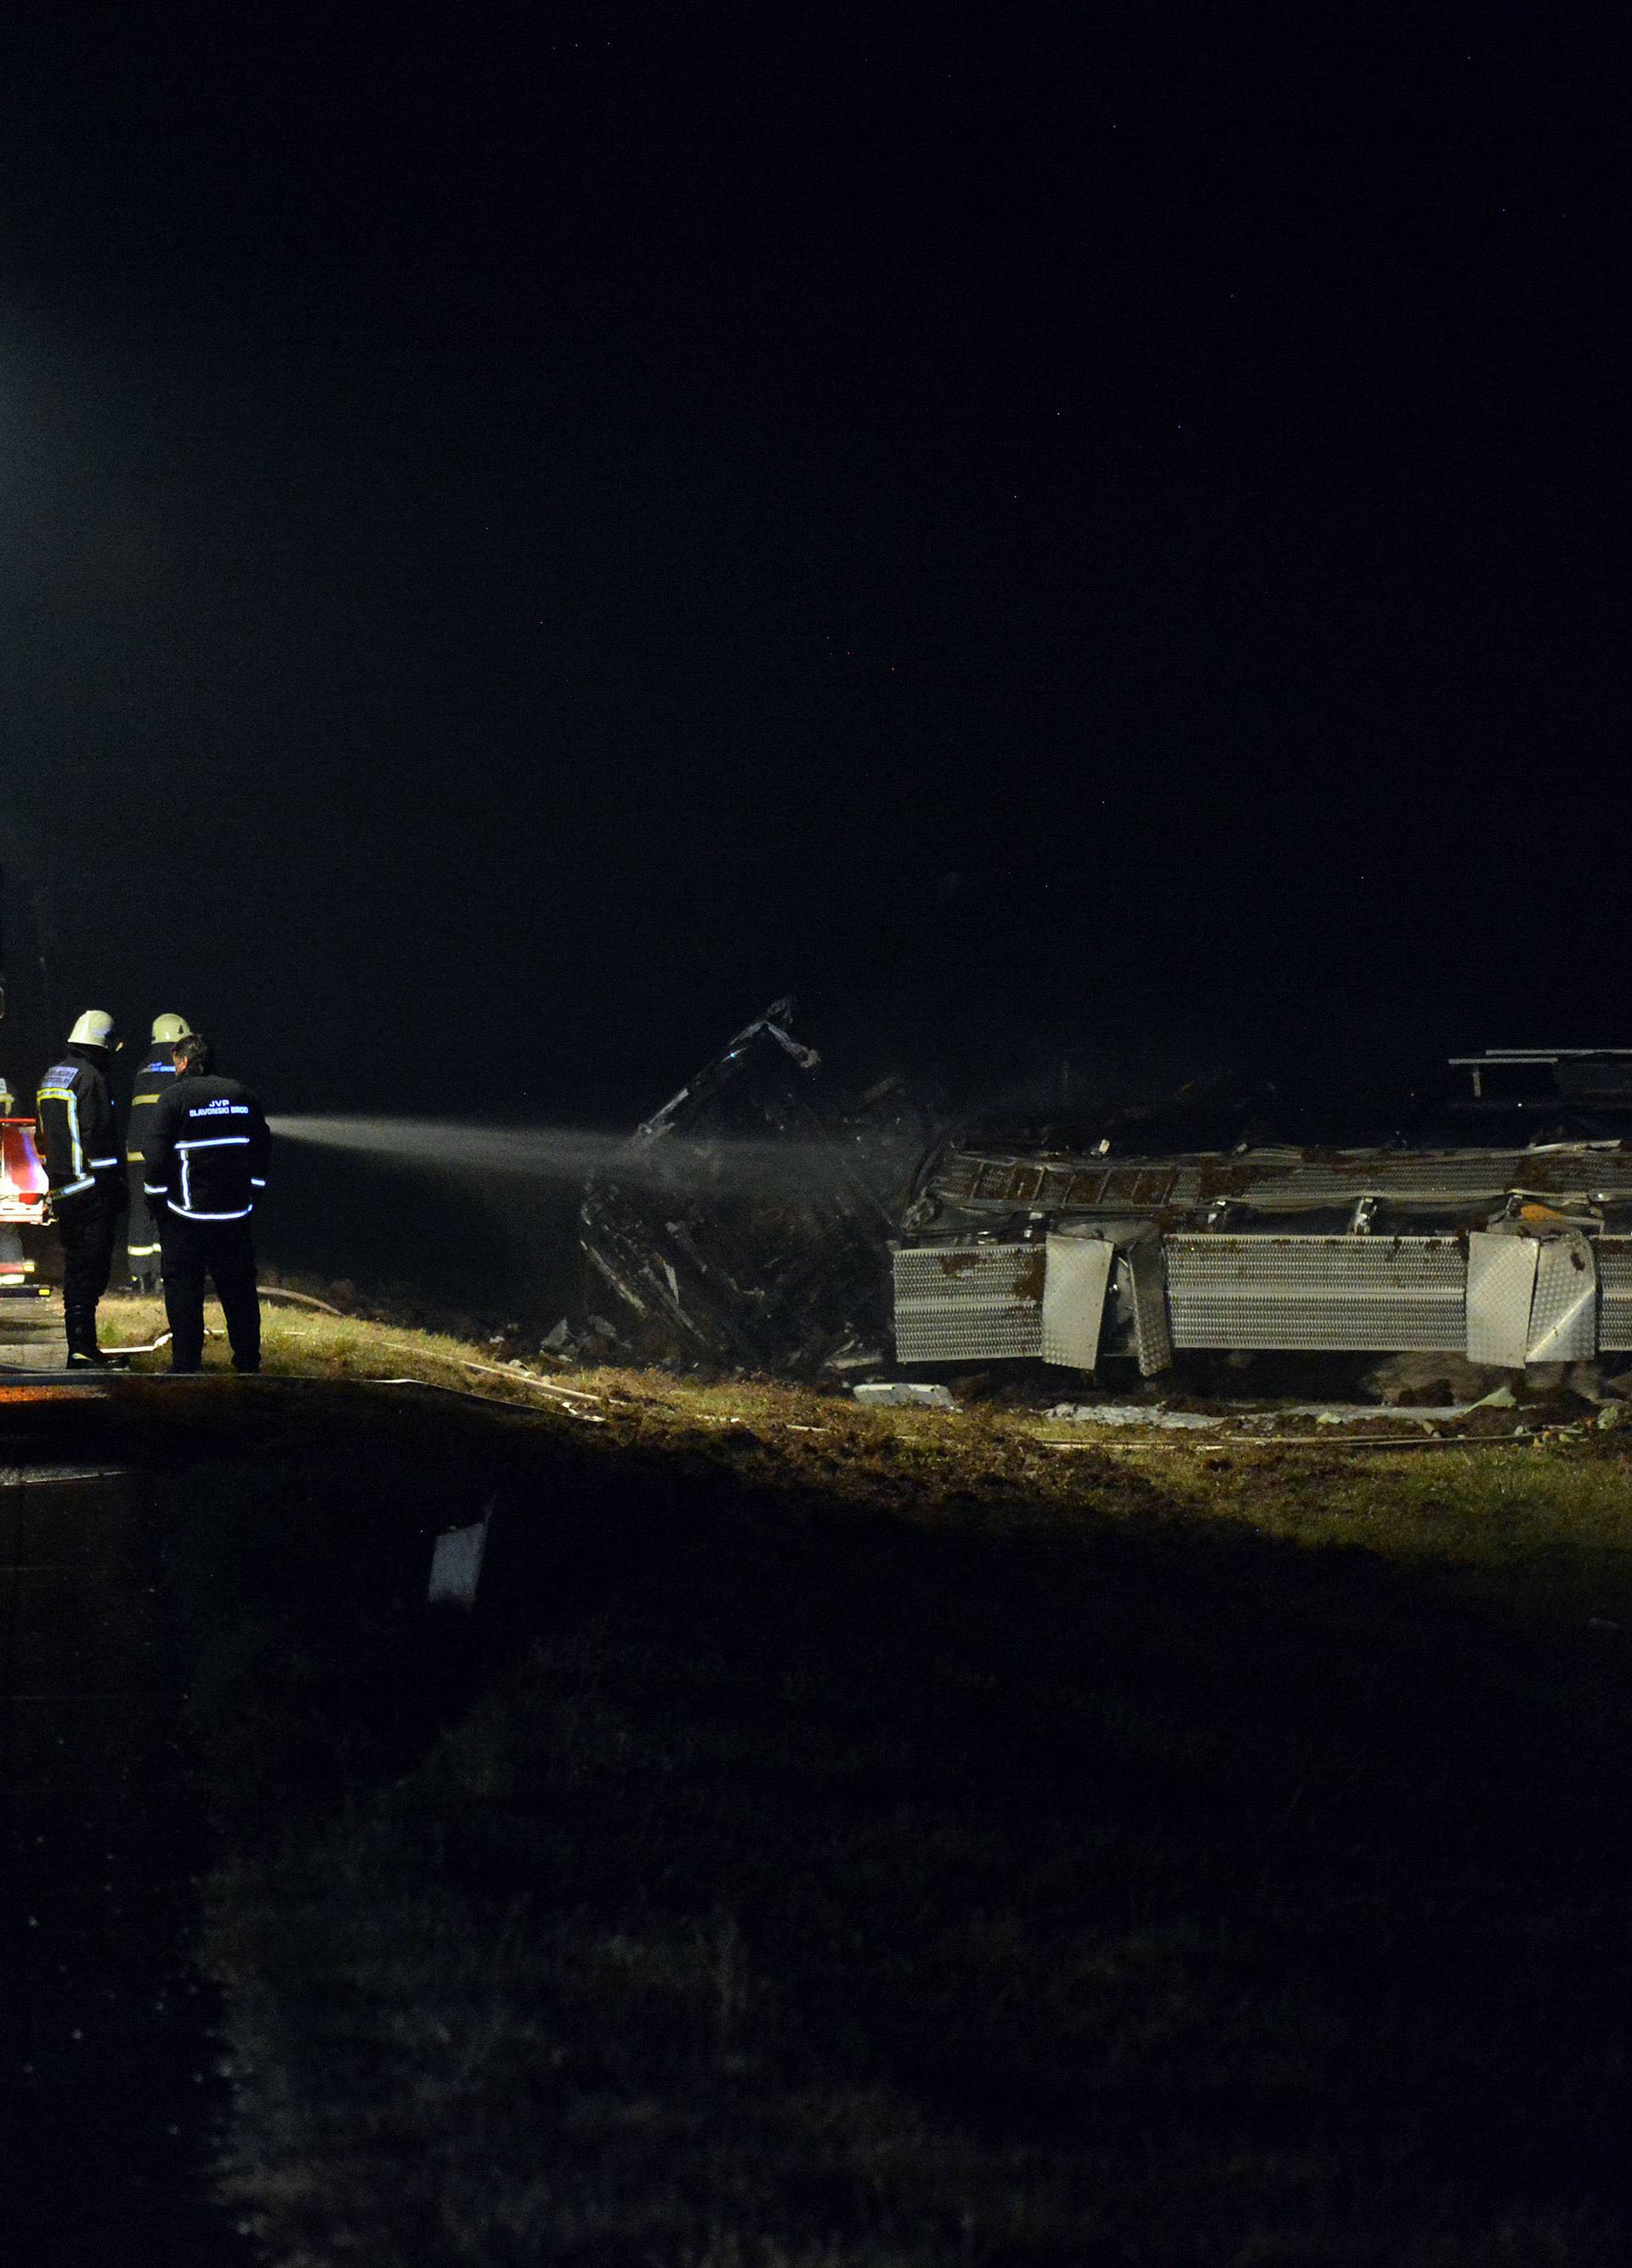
(976,1302)
(1563,1317)
(1614,1293)
(1377,1294)
(1074,1298)
(1501,1290)
(1614,1278)
(1152,1334)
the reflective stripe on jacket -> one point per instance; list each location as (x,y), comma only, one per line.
(74,1122)
(207,1144)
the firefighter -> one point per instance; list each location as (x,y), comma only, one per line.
(158,1069)
(206,1144)
(75,1121)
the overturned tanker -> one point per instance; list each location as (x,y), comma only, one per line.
(765,1218)
(1503,1233)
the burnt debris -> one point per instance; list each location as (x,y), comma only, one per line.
(747,1224)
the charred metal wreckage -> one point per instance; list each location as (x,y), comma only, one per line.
(1508,1251)
(1503,1235)
(745,1223)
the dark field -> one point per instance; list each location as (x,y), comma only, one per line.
(869,1847)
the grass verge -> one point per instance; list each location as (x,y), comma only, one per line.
(870,1837)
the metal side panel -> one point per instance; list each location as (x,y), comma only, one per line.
(1278,1179)
(1614,1276)
(1074,1298)
(1501,1290)
(1365,1293)
(1563,1319)
(1152,1333)
(965,1303)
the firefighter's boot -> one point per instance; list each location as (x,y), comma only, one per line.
(83,1350)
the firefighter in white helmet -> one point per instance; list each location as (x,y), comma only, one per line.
(155,1072)
(75,1121)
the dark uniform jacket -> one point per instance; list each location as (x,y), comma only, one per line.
(206,1146)
(155,1074)
(75,1125)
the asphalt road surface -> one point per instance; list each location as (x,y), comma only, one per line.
(109,2091)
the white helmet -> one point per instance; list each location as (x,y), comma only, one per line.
(168,1030)
(94,1029)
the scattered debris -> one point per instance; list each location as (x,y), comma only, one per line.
(1130,1413)
(855,1354)
(563,1344)
(456,1564)
(1323,1413)
(1419,1413)
(903,1394)
(1419,1375)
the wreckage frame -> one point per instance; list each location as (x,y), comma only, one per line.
(765,1219)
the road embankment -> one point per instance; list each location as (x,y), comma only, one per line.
(858,1837)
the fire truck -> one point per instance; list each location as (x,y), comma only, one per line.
(22,1216)
(22,1194)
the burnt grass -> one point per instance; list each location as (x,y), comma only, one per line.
(762,1874)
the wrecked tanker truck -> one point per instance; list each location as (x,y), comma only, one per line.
(1501,1231)
(1509,1252)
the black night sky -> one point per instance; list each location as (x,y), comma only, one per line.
(528,532)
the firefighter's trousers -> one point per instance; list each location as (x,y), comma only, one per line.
(225,1251)
(141,1234)
(88,1227)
